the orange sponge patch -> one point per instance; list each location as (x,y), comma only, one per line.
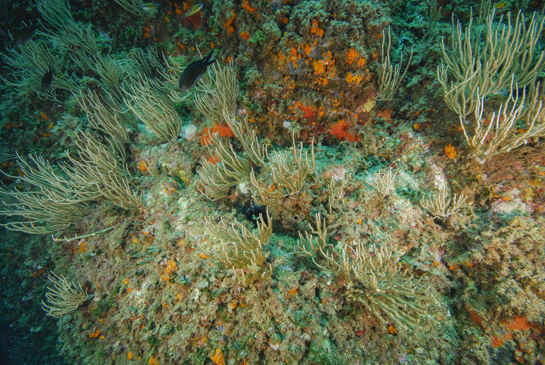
(340,129)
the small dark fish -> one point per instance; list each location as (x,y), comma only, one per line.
(194,72)
(24,34)
(47,78)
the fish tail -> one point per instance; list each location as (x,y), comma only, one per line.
(208,59)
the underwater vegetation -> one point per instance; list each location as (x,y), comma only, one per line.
(272,181)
